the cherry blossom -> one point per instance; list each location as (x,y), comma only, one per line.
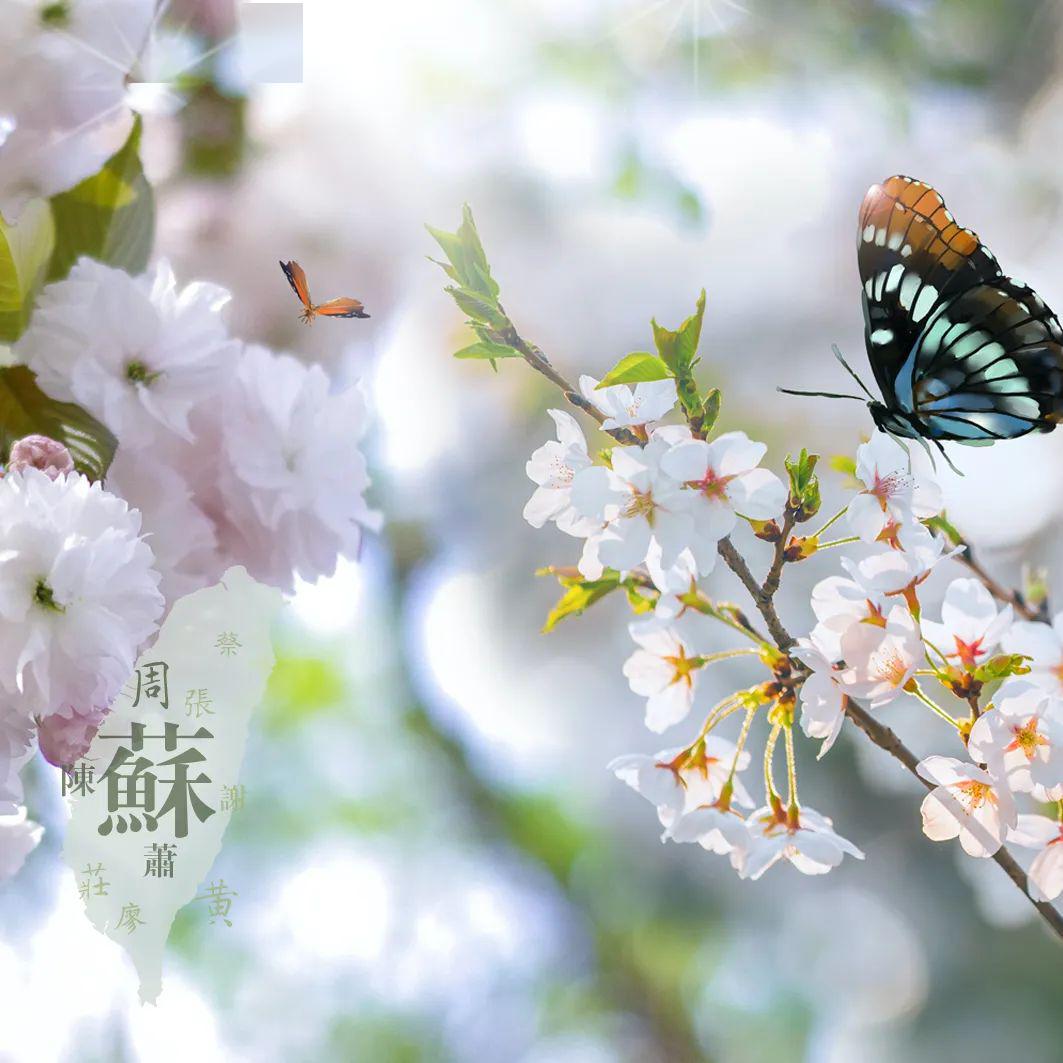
(898,572)
(65,736)
(724,479)
(967,803)
(40,452)
(664,672)
(893,494)
(713,828)
(810,844)
(1043,643)
(1021,738)
(625,407)
(838,603)
(882,657)
(1046,871)
(971,625)
(553,467)
(823,694)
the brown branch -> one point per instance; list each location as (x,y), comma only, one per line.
(764,602)
(886,739)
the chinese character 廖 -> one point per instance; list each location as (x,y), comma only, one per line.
(198,702)
(228,643)
(130,917)
(232,798)
(220,897)
(159,860)
(152,684)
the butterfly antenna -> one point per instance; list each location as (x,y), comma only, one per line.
(819,394)
(851,371)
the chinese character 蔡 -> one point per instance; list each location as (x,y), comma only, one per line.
(228,643)
(153,684)
(92,882)
(232,798)
(198,702)
(158,861)
(130,917)
(79,779)
(132,783)
(220,897)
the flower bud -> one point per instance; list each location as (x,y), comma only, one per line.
(40,452)
(65,739)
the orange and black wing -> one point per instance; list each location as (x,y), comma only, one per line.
(341,308)
(297,279)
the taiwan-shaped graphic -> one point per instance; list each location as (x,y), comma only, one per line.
(151,798)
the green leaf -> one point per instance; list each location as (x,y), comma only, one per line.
(638,368)
(941,523)
(26,410)
(580,594)
(478,308)
(804,500)
(1001,666)
(488,350)
(679,349)
(25,249)
(109,217)
(710,410)
(844,464)
(465,253)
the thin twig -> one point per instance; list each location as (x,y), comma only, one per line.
(764,602)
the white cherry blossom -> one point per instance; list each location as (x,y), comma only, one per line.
(663,671)
(881,658)
(967,803)
(895,572)
(971,626)
(1021,739)
(838,604)
(713,828)
(553,467)
(1044,644)
(823,694)
(1046,871)
(812,845)
(625,407)
(893,494)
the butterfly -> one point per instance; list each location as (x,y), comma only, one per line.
(959,351)
(333,308)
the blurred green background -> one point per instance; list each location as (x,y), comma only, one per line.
(433,863)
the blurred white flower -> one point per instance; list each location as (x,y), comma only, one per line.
(893,494)
(553,467)
(900,571)
(19,836)
(293,481)
(638,503)
(1044,644)
(823,694)
(136,352)
(838,604)
(812,846)
(63,66)
(966,803)
(1021,739)
(625,407)
(1046,871)
(78,593)
(971,625)
(713,828)
(882,658)
(724,480)
(662,671)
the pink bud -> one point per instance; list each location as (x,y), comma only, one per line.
(65,739)
(40,452)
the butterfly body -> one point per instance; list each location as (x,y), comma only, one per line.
(959,351)
(333,308)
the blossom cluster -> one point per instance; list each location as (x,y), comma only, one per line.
(226,454)
(64,68)
(656,513)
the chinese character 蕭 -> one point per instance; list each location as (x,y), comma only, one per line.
(131,783)
(220,897)
(153,684)
(130,917)
(228,643)
(198,702)
(159,860)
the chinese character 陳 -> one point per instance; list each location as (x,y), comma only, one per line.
(153,684)
(79,779)
(198,702)
(130,917)
(220,897)
(159,860)
(228,643)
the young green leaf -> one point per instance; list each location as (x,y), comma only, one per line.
(804,500)
(679,349)
(26,410)
(25,249)
(710,410)
(485,349)
(579,594)
(638,368)
(1002,666)
(109,216)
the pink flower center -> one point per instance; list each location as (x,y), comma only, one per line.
(711,485)
(1027,738)
(885,487)
(973,794)
(890,667)
(968,652)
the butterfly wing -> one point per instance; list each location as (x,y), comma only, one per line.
(341,308)
(988,365)
(297,279)
(912,255)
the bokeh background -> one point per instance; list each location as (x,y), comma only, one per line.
(433,863)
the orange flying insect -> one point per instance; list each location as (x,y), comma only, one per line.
(333,308)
